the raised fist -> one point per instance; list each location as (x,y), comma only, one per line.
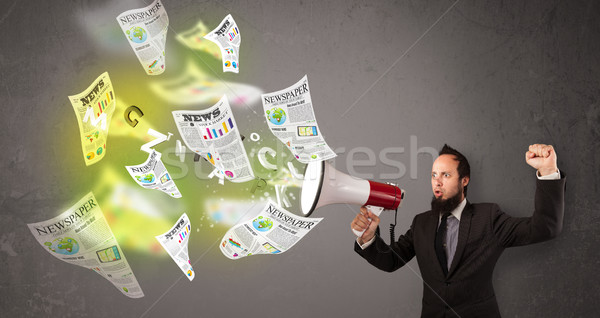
(543,158)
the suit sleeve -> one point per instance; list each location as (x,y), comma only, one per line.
(545,223)
(389,258)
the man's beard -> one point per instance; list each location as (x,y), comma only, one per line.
(439,205)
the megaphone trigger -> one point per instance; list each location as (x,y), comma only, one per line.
(375,210)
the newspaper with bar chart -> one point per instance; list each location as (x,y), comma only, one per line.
(94,108)
(175,242)
(213,134)
(227,36)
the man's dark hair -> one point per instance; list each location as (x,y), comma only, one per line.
(464,170)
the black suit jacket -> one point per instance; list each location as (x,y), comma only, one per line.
(484,232)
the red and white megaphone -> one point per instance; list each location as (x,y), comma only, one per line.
(324,185)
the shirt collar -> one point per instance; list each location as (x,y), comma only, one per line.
(457,212)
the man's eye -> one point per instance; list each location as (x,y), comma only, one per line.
(447,175)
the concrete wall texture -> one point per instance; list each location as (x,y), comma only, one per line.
(487,77)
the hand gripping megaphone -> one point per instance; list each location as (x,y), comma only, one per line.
(324,185)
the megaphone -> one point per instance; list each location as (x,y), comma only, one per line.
(324,185)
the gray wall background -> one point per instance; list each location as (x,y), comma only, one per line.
(489,78)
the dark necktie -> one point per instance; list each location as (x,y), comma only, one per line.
(440,241)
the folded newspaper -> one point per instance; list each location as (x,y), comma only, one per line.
(274,230)
(81,236)
(213,134)
(228,37)
(291,118)
(146,30)
(94,108)
(175,242)
(152,174)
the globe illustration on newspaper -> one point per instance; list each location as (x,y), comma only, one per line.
(147,178)
(276,116)
(137,34)
(262,224)
(63,245)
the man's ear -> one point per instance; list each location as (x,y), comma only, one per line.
(465,181)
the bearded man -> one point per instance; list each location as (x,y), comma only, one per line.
(457,243)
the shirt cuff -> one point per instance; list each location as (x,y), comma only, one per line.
(552,176)
(366,244)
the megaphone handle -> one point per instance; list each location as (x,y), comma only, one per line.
(375,210)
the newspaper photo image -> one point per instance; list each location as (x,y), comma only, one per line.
(227,36)
(153,174)
(81,236)
(175,242)
(213,134)
(146,31)
(291,118)
(94,108)
(274,230)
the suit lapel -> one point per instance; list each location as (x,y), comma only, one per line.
(463,236)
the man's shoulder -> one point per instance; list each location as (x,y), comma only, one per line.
(482,205)
(423,216)
(483,208)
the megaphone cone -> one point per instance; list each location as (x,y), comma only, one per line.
(324,185)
